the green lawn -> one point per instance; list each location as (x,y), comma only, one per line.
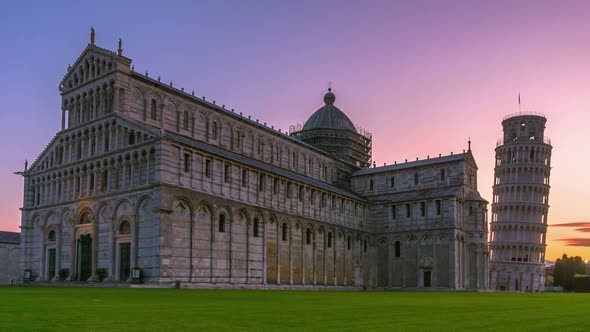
(109,309)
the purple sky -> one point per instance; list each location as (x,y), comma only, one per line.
(422,76)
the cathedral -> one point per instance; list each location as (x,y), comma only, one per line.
(147,183)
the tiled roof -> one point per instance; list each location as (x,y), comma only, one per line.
(261,165)
(475,196)
(9,237)
(417,195)
(412,164)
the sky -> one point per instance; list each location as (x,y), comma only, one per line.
(422,76)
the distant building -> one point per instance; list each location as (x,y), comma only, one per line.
(9,257)
(146,175)
(521,205)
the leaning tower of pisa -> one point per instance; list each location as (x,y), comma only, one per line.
(520,206)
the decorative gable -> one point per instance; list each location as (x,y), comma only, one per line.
(94,62)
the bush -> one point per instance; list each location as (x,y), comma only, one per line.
(101,274)
(63,274)
(581,283)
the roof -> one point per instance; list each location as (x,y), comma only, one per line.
(475,196)
(260,165)
(9,237)
(418,195)
(329,117)
(239,116)
(412,164)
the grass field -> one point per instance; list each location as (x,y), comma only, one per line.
(110,309)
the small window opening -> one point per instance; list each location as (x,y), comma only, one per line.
(285,232)
(255,227)
(221,223)
(187,162)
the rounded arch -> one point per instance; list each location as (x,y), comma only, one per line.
(121,207)
(224,209)
(243,214)
(51,218)
(205,206)
(84,208)
(123,227)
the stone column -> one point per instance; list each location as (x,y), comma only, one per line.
(63,118)
(434,276)
(248,252)
(325,254)
(124,175)
(42,272)
(147,169)
(94,115)
(264,256)
(278,240)
(116,128)
(113,249)
(290,255)
(108,97)
(116,105)
(302,255)
(145,110)
(314,244)
(58,249)
(94,248)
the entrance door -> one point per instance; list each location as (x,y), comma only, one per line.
(124,261)
(50,264)
(427,278)
(85,257)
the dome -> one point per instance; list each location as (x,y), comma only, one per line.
(329,116)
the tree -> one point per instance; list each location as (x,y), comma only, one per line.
(565,269)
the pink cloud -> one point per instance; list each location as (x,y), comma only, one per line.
(576,242)
(573,224)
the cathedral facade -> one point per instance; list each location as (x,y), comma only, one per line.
(148,183)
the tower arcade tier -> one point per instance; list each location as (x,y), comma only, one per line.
(520,204)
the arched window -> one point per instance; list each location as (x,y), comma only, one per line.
(365,246)
(255,227)
(329,240)
(285,232)
(513,134)
(443,175)
(125,228)
(85,218)
(185,120)
(214,130)
(398,249)
(222,223)
(416,178)
(51,236)
(349,243)
(308,236)
(154,110)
